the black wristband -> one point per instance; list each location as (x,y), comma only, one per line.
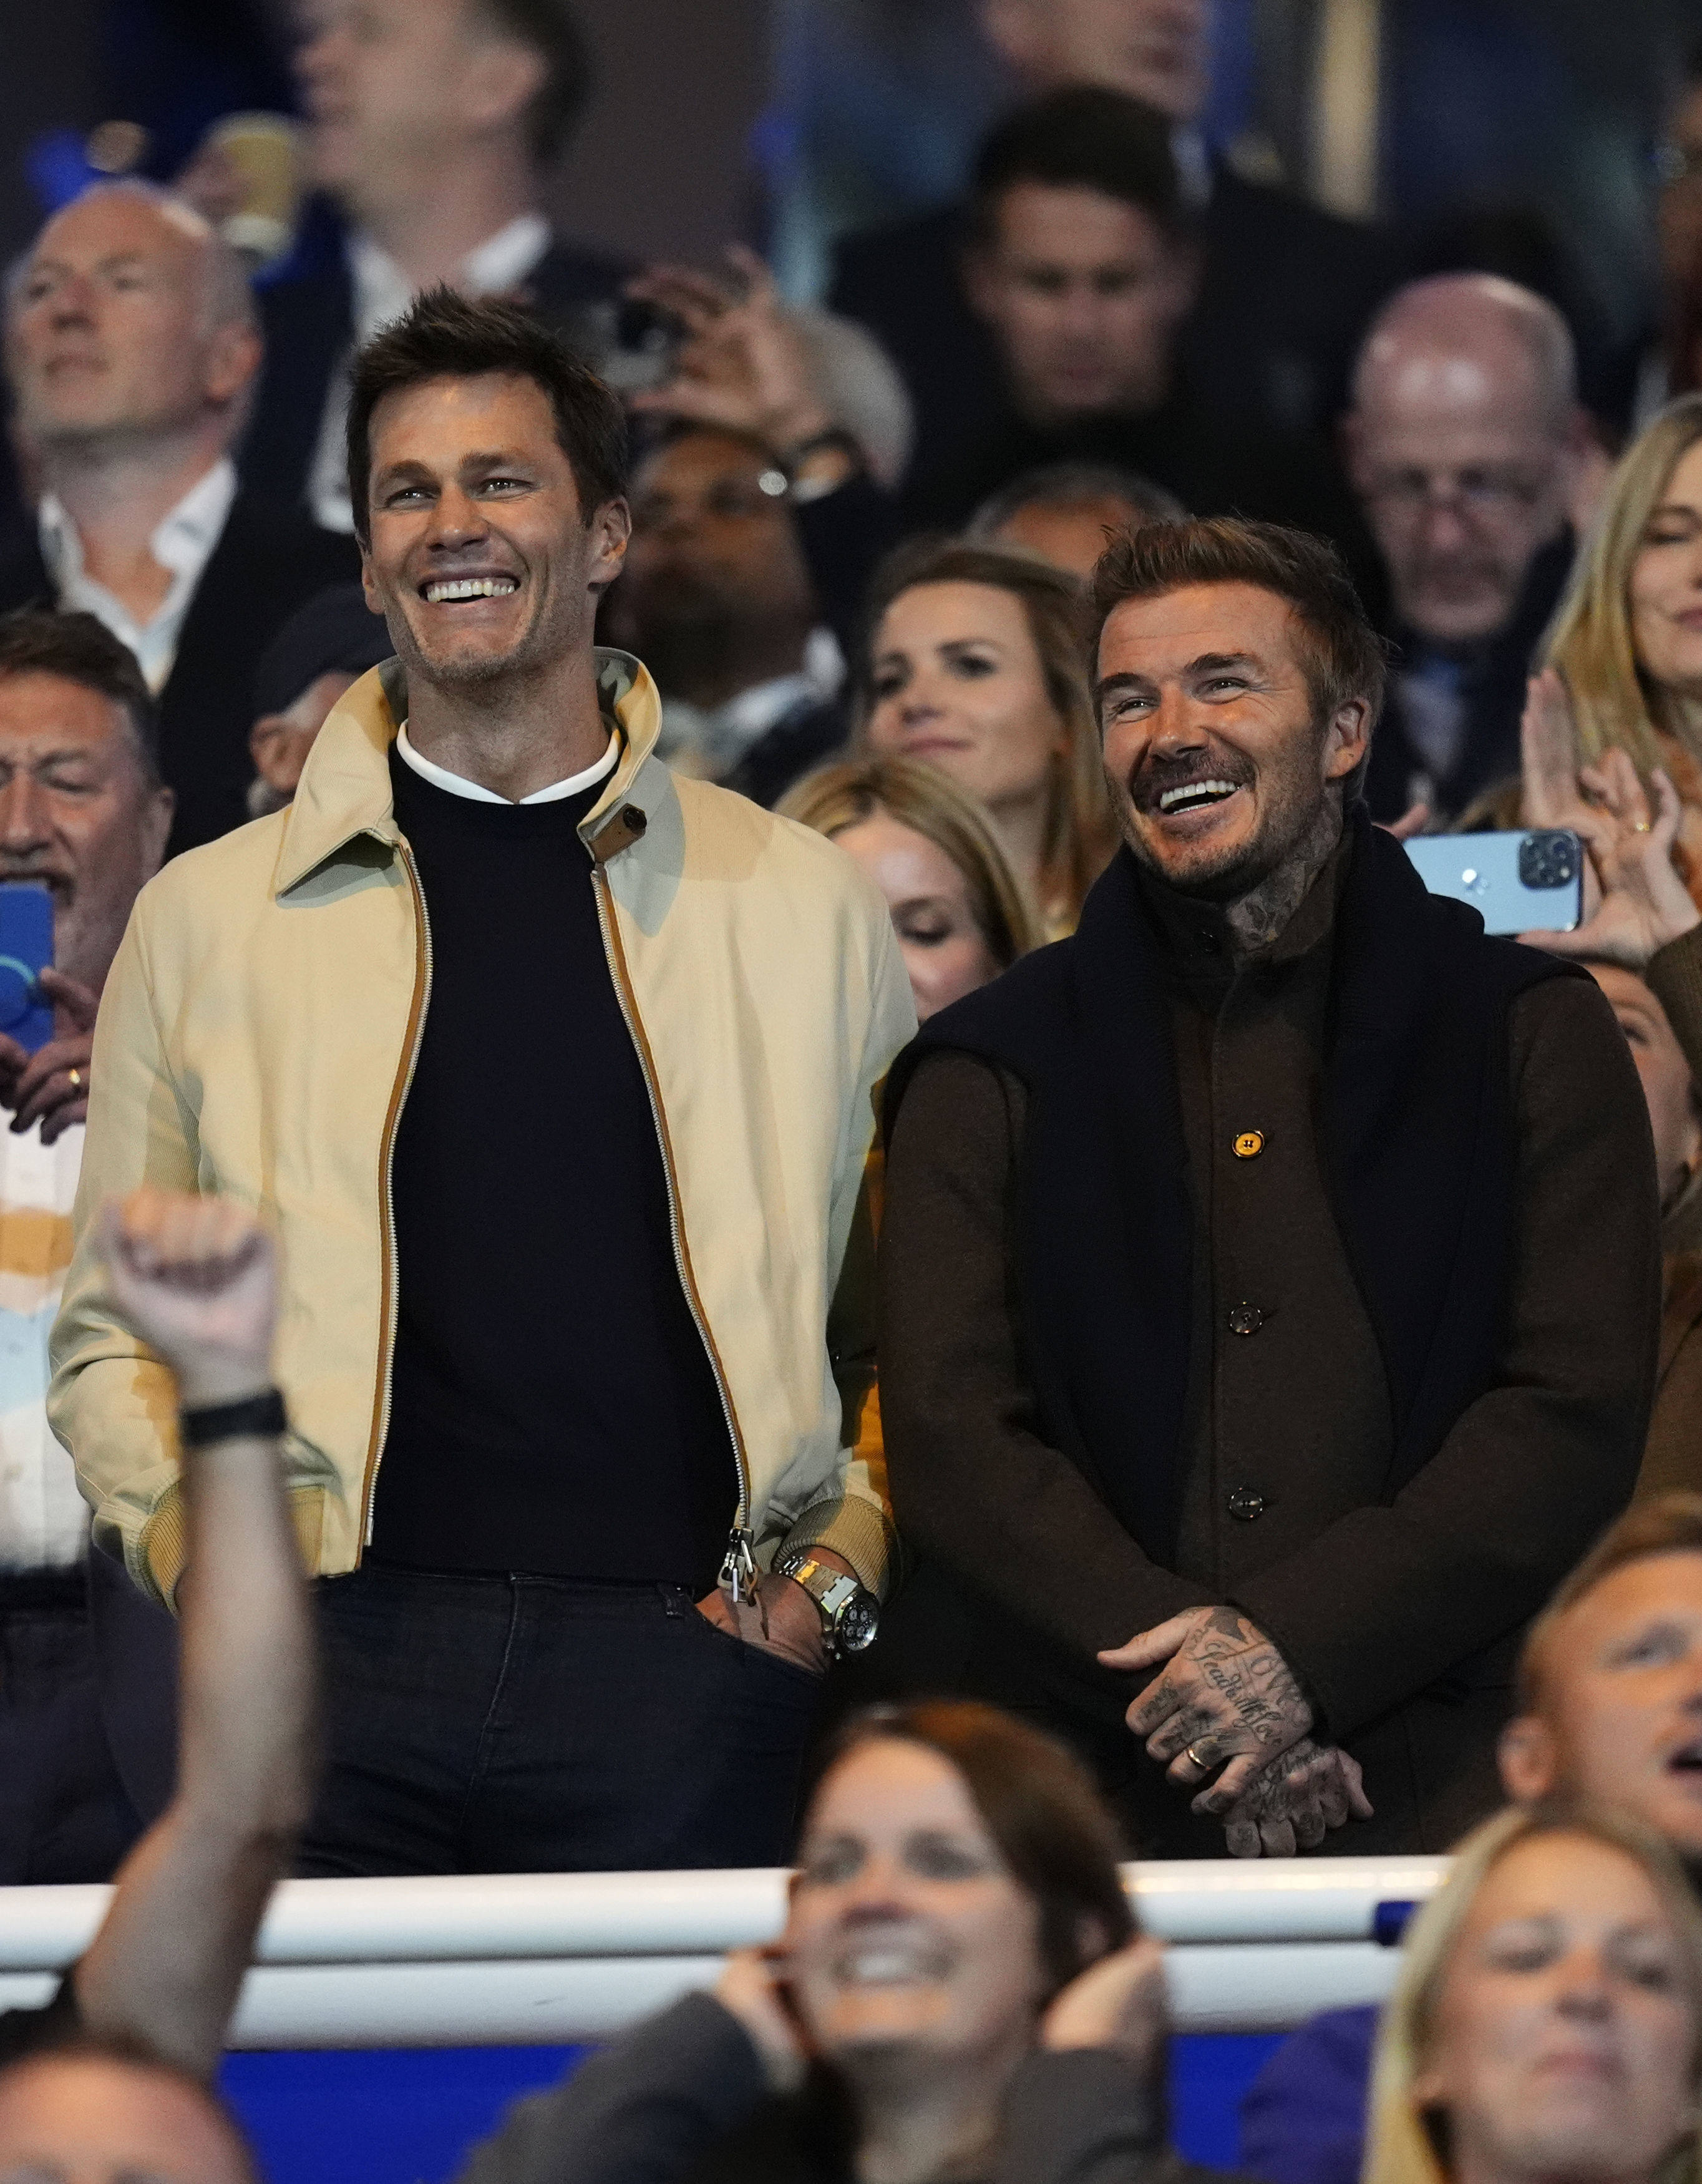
(256,1418)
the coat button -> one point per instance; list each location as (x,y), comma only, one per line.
(1244,1505)
(1249,1145)
(1245,1319)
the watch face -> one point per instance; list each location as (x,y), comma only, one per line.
(858,1621)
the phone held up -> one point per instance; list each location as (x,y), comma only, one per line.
(1525,882)
(26,950)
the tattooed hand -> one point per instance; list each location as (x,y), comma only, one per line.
(1294,1801)
(1227,1694)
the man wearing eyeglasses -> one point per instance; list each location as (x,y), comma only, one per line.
(1469,451)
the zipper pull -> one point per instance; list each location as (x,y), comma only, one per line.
(738,1571)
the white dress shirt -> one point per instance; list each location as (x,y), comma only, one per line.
(382,292)
(44,1522)
(182,542)
(709,741)
(476,792)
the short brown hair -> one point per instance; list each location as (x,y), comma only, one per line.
(837,798)
(443,335)
(1079,836)
(1342,655)
(1670,1525)
(78,649)
(1051,1826)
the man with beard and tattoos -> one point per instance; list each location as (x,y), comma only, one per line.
(1245,1389)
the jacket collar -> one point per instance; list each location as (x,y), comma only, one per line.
(344,790)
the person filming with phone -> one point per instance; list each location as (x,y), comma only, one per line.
(83,822)
(1245,1387)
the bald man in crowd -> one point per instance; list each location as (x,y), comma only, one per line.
(132,352)
(1468,449)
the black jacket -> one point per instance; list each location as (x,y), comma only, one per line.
(268,561)
(308,314)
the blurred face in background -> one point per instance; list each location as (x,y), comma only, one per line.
(1665,1074)
(1666,582)
(77,2120)
(1466,470)
(944,949)
(909,1940)
(1083,295)
(714,561)
(1679,211)
(111,337)
(957,680)
(1071,535)
(78,814)
(390,87)
(1155,50)
(1565,2026)
(279,742)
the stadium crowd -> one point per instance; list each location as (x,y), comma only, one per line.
(745,1044)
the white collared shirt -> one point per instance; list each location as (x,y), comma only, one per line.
(44,1522)
(710,741)
(182,542)
(382,292)
(476,792)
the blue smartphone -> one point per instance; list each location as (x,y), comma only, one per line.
(26,950)
(1530,882)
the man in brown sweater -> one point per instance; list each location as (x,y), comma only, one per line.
(1270,1272)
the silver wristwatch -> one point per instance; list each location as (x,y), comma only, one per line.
(850,1614)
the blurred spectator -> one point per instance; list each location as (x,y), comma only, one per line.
(717,602)
(1609,1694)
(197,1280)
(131,350)
(1081,259)
(1626,644)
(1283,289)
(973,663)
(101,2111)
(1023,2041)
(1466,446)
(601,1421)
(1674,364)
(430,125)
(81,812)
(1316,1470)
(1558,1936)
(320,651)
(1067,513)
(960,914)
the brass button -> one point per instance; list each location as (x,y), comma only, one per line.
(1249,1145)
(1245,1319)
(1244,1505)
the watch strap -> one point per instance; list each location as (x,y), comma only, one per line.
(255,1417)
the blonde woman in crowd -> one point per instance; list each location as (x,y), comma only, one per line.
(1622,663)
(975,662)
(1545,2026)
(957,910)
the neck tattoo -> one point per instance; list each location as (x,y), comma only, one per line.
(1256,919)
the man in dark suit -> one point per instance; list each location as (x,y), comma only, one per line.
(429,124)
(131,350)
(1230,1292)
(1284,289)
(1467,447)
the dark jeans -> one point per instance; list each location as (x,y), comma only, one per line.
(537,1724)
(64,1813)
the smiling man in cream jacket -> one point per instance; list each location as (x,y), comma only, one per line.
(556,1077)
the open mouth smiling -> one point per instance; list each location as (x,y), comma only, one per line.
(449,591)
(1189,796)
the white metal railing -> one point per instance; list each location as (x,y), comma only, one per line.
(484,1958)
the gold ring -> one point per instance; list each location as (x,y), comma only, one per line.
(76,1076)
(1204,1765)
(1639,826)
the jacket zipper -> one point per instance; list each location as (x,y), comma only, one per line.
(405,1078)
(738,1573)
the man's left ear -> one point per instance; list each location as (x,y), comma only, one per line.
(1349,739)
(611,528)
(500,83)
(233,360)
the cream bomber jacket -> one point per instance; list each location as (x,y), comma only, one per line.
(257,1035)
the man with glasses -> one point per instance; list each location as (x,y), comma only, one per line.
(1467,447)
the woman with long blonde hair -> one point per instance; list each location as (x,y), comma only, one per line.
(959,913)
(1547,2025)
(1622,662)
(975,661)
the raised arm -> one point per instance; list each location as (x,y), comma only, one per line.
(195,1278)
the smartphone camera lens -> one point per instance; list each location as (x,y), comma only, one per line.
(1548,858)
